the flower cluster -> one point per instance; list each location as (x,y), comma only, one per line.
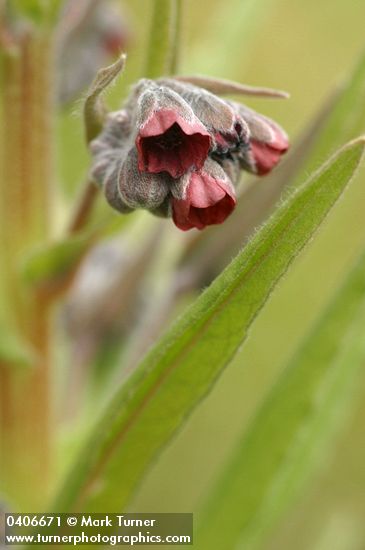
(177,150)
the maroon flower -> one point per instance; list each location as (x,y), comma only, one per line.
(208,198)
(170,137)
(267,155)
(235,129)
(225,125)
(115,169)
(268,141)
(178,150)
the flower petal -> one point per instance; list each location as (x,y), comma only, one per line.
(268,142)
(170,137)
(209,198)
(266,156)
(219,116)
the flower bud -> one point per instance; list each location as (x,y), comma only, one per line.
(125,187)
(111,145)
(141,189)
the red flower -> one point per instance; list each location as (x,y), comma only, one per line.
(268,141)
(178,150)
(235,129)
(170,137)
(267,155)
(226,127)
(209,198)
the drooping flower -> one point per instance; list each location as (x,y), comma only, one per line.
(208,198)
(235,129)
(170,137)
(225,124)
(177,150)
(268,142)
(197,199)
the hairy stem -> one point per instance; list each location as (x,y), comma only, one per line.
(26,150)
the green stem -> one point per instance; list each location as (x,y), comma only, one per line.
(26,151)
(176,38)
(163,44)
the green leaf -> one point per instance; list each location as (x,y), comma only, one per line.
(293,427)
(164,38)
(51,262)
(182,368)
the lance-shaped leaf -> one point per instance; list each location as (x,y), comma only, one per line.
(182,368)
(293,428)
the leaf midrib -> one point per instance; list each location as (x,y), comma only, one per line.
(202,329)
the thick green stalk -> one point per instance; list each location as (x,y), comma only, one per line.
(176,39)
(26,171)
(163,45)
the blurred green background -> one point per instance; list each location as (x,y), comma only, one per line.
(305,48)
